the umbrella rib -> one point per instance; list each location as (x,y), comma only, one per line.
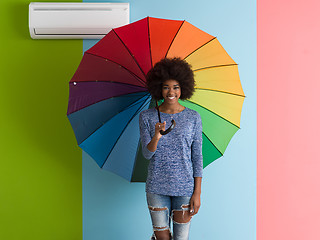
(214,90)
(135,103)
(212,143)
(217,66)
(123,131)
(130,53)
(138,78)
(104,100)
(214,113)
(149,40)
(200,47)
(128,84)
(131,105)
(174,38)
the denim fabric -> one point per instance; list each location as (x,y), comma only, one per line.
(162,219)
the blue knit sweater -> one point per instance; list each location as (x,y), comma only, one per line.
(178,158)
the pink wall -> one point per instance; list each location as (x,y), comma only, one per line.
(288,174)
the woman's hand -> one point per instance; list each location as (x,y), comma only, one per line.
(158,127)
(195,200)
(195,203)
(152,145)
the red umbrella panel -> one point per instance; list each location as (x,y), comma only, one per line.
(108,91)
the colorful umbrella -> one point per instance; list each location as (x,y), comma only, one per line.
(108,91)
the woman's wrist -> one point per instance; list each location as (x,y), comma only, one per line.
(152,146)
(197,192)
(197,186)
(156,137)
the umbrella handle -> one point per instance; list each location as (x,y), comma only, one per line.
(173,123)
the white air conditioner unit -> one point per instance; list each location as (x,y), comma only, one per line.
(75,20)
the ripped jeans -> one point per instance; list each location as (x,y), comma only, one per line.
(160,207)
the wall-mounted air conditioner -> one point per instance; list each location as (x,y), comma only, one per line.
(75,20)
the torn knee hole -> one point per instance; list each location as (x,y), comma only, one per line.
(163,234)
(160,228)
(181,216)
(186,207)
(157,209)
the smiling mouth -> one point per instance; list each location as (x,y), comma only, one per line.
(171,98)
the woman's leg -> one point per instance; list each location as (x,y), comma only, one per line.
(181,217)
(159,208)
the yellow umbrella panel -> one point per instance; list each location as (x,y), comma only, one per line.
(218,97)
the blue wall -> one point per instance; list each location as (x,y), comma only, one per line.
(116,209)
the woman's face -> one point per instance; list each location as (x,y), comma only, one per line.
(171,91)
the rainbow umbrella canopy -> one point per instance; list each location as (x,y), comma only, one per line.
(108,91)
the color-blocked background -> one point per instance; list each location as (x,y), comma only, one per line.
(40,169)
(110,204)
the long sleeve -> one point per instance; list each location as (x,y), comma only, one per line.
(145,137)
(178,157)
(196,149)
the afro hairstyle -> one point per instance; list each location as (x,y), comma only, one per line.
(171,69)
